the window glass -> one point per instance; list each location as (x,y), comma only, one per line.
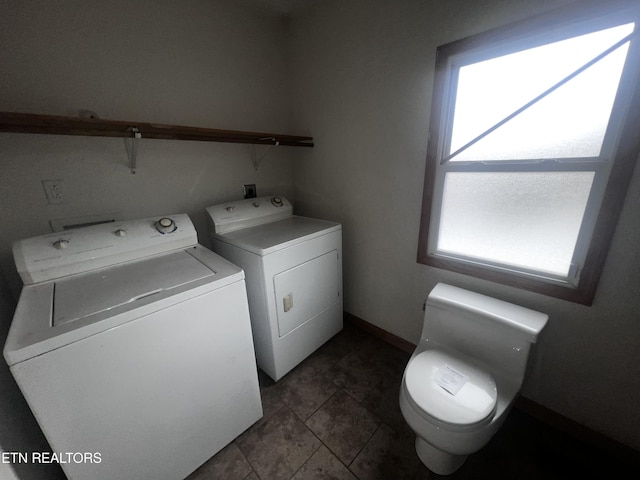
(569,122)
(528,220)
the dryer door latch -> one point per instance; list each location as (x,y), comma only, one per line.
(287,302)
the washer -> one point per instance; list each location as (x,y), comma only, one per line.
(132,345)
(293,268)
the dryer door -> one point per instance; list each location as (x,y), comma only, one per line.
(302,292)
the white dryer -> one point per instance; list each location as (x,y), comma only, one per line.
(132,345)
(293,268)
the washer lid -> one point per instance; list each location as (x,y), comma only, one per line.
(88,304)
(81,296)
(450,389)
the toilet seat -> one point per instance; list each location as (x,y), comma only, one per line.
(473,405)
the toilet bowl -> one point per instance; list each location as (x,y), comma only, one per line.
(465,373)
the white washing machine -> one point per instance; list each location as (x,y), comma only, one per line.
(293,268)
(132,345)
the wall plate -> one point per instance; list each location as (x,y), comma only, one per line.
(249,190)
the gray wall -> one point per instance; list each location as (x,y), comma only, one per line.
(357,75)
(362,76)
(196,62)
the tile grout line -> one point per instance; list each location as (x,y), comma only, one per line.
(310,456)
(253,469)
(335,454)
(363,446)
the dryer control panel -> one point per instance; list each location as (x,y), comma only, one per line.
(250,212)
(59,254)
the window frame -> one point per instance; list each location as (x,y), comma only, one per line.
(619,152)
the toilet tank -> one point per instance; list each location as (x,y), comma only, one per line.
(496,333)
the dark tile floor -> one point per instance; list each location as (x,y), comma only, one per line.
(336,416)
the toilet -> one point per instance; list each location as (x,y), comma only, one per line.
(465,373)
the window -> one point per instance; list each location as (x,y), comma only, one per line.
(534,136)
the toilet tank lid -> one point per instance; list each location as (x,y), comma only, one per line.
(525,320)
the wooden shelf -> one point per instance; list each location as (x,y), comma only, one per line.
(58,125)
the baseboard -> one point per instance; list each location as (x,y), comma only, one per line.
(535,410)
(378,332)
(579,432)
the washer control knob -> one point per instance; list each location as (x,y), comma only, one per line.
(276,201)
(230,209)
(120,232)
(166,225)
(61,244)
(256,204)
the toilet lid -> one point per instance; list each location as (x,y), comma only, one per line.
(450,389)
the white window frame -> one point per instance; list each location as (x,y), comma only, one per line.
(612,167)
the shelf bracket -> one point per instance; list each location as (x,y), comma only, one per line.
(133,150)
(256,161)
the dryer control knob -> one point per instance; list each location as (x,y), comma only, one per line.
(120,232)
(256,204)
(60,244)
(276,201)
(229,209)
(166,225)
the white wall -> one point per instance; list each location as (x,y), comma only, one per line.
(363,76)
(202,63)
(197,62)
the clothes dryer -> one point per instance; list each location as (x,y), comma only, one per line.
(132,346)
(293,268)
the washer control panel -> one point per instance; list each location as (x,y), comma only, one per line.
(83,249)
(231,216)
